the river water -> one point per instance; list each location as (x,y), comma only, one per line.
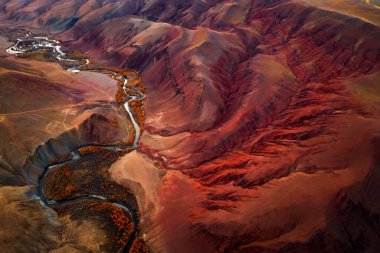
(29,44)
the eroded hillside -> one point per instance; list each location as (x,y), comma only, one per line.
(262,117)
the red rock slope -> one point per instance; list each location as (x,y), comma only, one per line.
(264,114)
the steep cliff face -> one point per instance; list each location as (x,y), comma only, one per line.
(263,114)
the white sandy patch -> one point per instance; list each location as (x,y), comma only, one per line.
(137,168)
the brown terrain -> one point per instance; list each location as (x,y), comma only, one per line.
(261,132)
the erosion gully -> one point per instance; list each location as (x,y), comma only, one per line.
(28,44)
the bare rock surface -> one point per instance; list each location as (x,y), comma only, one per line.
(262,117)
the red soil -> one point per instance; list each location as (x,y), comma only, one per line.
(264,113)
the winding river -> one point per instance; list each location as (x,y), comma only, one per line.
(32,44)
(28,44)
